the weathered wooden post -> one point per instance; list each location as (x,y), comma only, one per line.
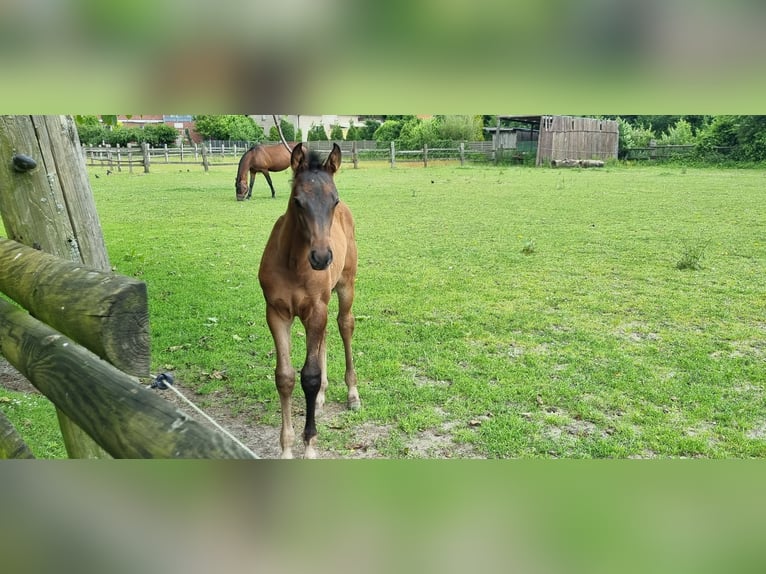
(182,151)
(51,207)
(145,150)
(462,153)
(166,152)
(119,159)
(11,443)
(425,155)
(204,157)
(393,155)
(354,155)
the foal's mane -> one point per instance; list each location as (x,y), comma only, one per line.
(314,161)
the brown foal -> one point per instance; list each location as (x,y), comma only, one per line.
(310,253)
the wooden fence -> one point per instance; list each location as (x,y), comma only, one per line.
(83,335)
(82,342)
(227,154)
(567,137)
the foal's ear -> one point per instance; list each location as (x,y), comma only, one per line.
(332,163)
(298,158)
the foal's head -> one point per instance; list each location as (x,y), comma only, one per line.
(313,201)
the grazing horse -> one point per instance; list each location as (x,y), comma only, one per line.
(260,159)
(310,253)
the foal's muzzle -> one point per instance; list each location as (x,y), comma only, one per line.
(320,261)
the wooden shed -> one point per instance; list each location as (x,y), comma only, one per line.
(570,137)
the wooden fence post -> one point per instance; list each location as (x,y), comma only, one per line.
(204,157)
(51,207)
(182,151)
(462,153)
(130,161)
(393,155)
(11,443)
(119,159)
(354,155)
(145,150)
(425,155)
(166,153)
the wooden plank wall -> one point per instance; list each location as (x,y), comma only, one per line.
(567,137)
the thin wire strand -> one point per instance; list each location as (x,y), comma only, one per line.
(201,412)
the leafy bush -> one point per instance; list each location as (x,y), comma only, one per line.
(632,136)
(388,131)
(461,128)
(416,133)
(678,134)
(92,135)
(229,127)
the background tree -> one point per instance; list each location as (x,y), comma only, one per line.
(317,133)
(416,133)
(367,132)
(211,127)
(352,133)
(243,128)
(288,130)
(336,133)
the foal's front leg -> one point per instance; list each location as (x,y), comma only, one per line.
(284,376)
(311,373)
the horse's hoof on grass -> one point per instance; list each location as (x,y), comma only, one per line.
(354,405)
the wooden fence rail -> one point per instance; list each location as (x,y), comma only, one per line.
(126,419)
(107,313)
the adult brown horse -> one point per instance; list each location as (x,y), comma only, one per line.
(260,159)
(310,253)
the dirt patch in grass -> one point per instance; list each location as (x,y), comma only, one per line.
(263,439)
(13,380)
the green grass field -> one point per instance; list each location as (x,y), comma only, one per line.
(510,311)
